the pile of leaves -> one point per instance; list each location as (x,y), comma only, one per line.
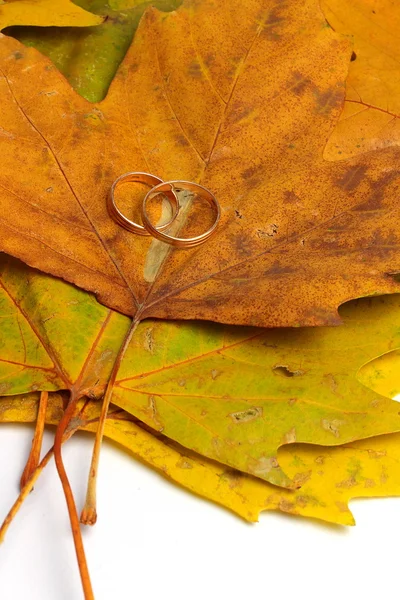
(257,370)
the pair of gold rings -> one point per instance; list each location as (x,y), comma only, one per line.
(170,190)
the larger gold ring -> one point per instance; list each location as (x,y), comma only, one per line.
(172,187)
(150,181)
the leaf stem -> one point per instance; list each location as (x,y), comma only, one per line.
(89,512)
(27,488)
(34,455)
(69,497)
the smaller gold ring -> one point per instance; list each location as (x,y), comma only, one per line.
(150,181)
(172,187)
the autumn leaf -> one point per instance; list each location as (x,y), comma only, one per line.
(382,374)
(23,408)
(236,395)
(369,120)
(89,58)
(330,477)
(46,13)
(233,394)
(53,336)
(243,104)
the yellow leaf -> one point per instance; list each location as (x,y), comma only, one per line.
(236,395)
(329,477)
(46,13)
(89,58)
(382,374)
(369,120)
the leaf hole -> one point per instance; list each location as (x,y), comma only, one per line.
(284,371)
(270,231)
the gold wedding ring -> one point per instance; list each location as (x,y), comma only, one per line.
(170,190)
(150,181)
(172,187)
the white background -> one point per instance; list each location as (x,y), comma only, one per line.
(154,540)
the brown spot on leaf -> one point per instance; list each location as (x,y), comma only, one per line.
(378,193)
(351,178)
(303,501)
(148,342)
(153,413)
(290,436)
(287,506)
(133,67)
(181,141)
(194,70)
(184,464)
(321,316)
(272,23)
(384,476)
(253,176)
(209,59)
(150,15)
(243,244)
(247,415)
(276,269)
(290,197)
(376,453)
(347,483)
(369,483)
(4,387)
(379,244)
(301,478)
(232,477)
(239,112)
(298,84)
(251,171)
(327,100)
(268,231)
(263,465)
(332,426)
(332,383)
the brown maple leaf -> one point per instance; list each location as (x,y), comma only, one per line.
(240,97)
